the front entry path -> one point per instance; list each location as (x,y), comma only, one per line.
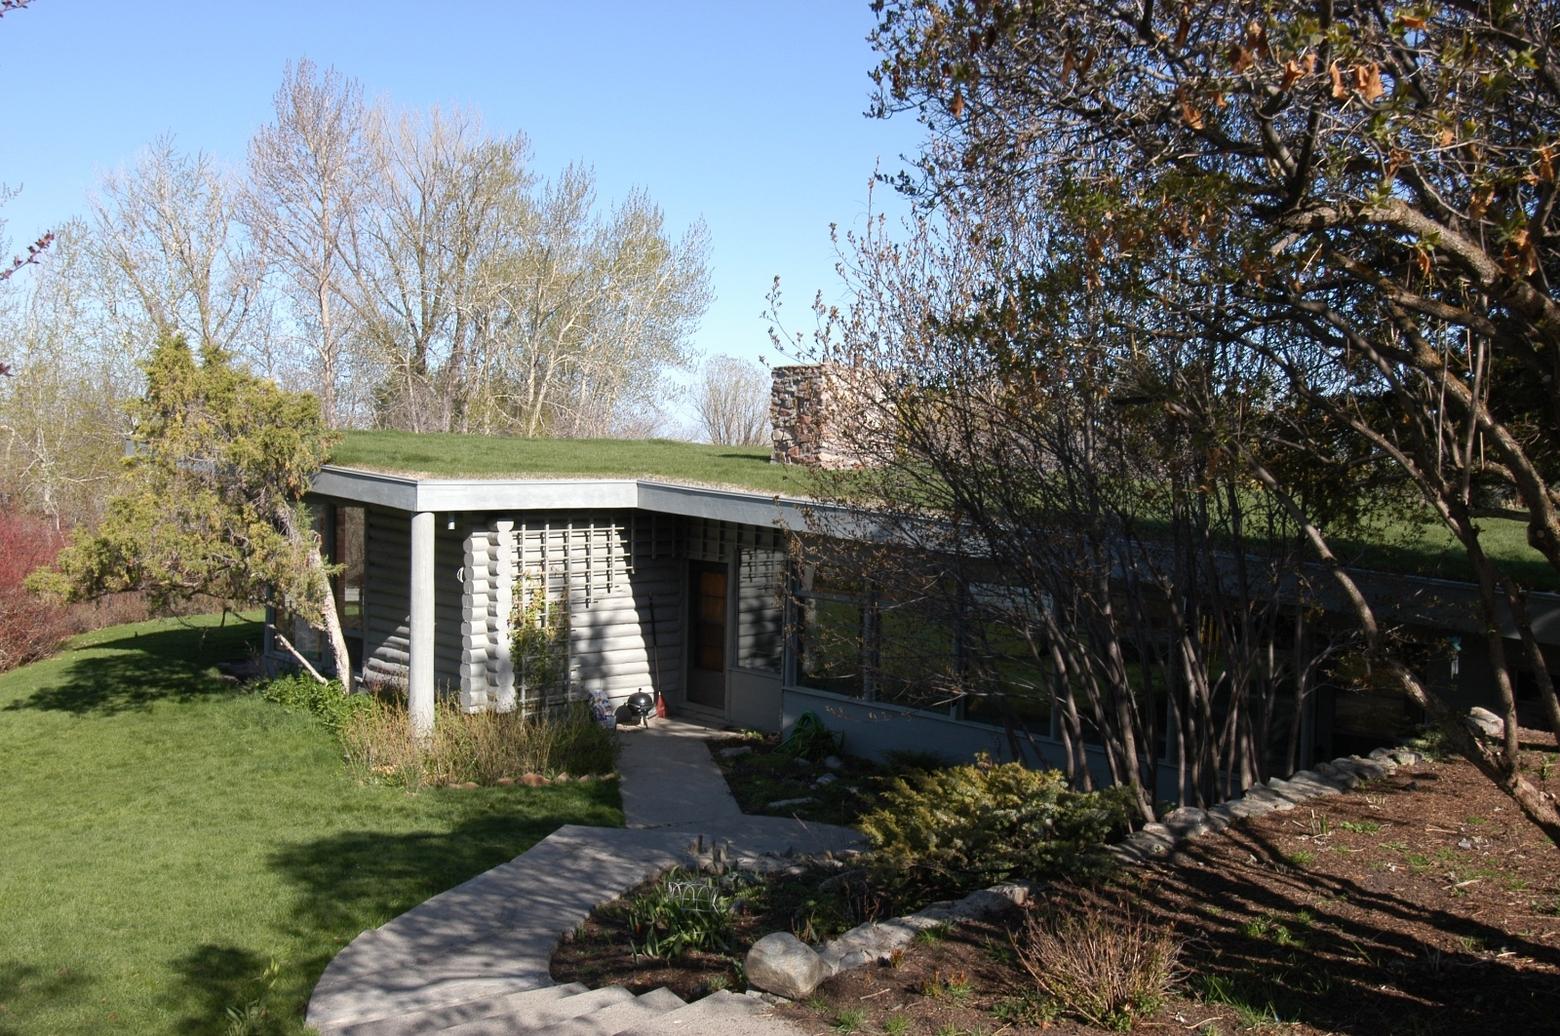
(475,959)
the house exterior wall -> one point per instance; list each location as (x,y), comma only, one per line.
(387,598)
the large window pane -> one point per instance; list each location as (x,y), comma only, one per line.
(917,656)
(830,645)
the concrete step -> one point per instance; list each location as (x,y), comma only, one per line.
(719,1014)
(433,1019)
(611,1020)
(526,1018)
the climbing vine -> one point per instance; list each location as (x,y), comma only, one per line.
(539,642)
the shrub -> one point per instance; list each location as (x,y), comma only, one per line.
(474,746)
(1103,965)
(327,702)
(944,832)
(681,912)
(810,739)
(32,626)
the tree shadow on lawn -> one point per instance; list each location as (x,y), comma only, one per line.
(142,668)
(25,988)
(1300,944)
(354,880)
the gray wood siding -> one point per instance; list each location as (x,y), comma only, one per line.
(760,615)
(617,570)
(387,598)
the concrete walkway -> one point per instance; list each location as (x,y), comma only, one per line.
(494,935)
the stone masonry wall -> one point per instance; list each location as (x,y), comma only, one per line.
(810,407)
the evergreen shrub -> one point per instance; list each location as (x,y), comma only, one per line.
(945,832)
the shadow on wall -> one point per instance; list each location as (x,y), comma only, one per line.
(152,667)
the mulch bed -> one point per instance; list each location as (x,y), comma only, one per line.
(1419,903)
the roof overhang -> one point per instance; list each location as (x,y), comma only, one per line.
(413,495)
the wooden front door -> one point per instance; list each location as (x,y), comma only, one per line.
(707,635)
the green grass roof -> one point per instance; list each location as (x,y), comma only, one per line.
(1398,547)
(437,455)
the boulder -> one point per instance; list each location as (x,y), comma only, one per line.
(1293,792)
(1186,822)
(1484,723)
(782,964)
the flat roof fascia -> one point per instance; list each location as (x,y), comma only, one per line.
(1423,600)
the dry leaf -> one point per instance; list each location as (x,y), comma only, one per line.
(1339,91)
(956,106)
(1292,72)
(1412,21)
(1545,167)
(1479,204)
(1181,29)
(1367,80)
(1190,115)
(1067,65)
(1240,58)
(1256,38)
(1446,138)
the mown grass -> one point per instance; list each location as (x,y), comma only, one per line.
(1393,545)
(441,455)
(167,836)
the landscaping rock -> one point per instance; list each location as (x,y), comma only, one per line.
(1153,839)
(1313,782)
(1186,822)
(788,803)
(834,762)
(1244,808)
(1221,816)
(1384,757)
(1407,757)
(1371,769)
(505,782)
(736,751)
(782,964)
(1293,792)
(532,780)
(867,943)
(1484,723)
(825,780)
(1257,793)
(986,904)
(1338,777)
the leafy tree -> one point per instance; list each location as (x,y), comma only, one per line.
(1360,199)
(212,503)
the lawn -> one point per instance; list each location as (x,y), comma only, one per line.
(168,836)
(438,455)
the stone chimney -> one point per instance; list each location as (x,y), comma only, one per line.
(808,404)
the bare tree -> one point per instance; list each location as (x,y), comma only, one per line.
(305,176)
(732,402)
(61,415)
(172,253)
(1363,200)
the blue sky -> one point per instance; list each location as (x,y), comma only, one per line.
(748,114)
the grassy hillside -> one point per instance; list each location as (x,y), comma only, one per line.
(174,846)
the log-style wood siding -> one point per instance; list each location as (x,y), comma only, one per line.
(615,569)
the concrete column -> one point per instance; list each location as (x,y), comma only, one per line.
(503,670)
(419,676)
